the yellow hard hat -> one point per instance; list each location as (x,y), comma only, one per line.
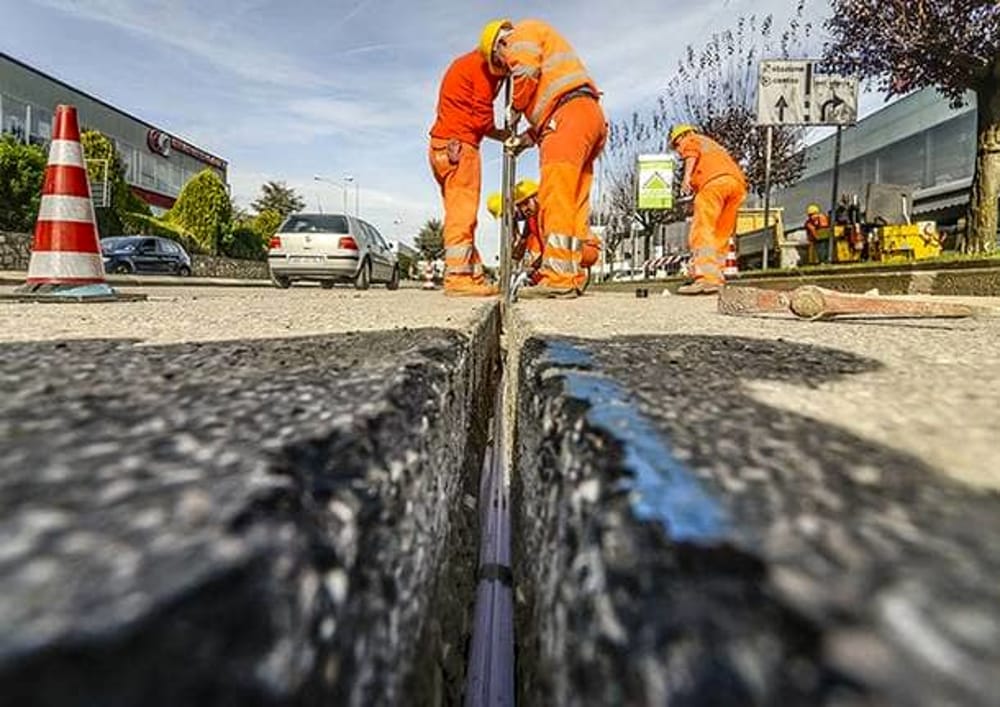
(488,38)
(679,130)
(813,209)
(525,189)
(494,204)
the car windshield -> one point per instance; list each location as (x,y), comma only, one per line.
(314,223)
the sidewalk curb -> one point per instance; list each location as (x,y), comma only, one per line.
(9,277)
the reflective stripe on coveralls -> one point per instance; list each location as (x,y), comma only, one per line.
(544,67)
(715,208)
(460,184)
(567,152)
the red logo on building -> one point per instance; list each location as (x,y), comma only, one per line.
(159,142)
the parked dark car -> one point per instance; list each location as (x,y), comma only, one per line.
(144,254)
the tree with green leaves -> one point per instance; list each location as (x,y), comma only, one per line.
(22,169)
(430,240)
(278,197)
(203,212)
(952,45)
(105,165)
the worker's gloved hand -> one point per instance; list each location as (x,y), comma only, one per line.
(519,143)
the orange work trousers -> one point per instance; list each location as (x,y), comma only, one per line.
(714,222)
(460,184)
(569,144)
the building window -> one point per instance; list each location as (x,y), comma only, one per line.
(15,116)
(41,125)
(147,175)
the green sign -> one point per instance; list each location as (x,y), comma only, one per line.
(655,182)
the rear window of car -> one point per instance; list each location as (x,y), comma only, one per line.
(314,223)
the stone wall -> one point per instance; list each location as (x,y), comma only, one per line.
(214,266)
(15,250)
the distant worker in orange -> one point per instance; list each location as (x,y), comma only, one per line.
(553,90)
(815,220)
(464,118)
(719,187)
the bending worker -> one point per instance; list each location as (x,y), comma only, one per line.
(719,188)
(552,89)
(528,247)
(464,118)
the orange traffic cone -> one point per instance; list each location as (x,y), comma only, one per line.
(66,260)
(429,276)
(732,267)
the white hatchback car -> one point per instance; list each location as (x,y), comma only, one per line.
(331,248)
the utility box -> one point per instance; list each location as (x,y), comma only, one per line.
(906,242)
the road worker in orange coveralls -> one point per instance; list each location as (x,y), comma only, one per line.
(554,92)
(528,243)
(719,188)
(464,118)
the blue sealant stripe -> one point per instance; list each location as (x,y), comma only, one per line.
(663,488)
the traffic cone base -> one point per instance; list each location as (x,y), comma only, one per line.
(66,262)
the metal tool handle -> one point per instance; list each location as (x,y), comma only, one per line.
(508,180)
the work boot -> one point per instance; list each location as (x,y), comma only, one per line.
(546,292)
(698,287)
(471,289)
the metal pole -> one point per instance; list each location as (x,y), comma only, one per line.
(343,191)
(833,201)
(768,159)
(508,179)
(357,199)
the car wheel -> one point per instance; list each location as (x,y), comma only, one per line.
(327,284)
(393,283)
(121,269)
(281,282)
(363,280)
(184,271)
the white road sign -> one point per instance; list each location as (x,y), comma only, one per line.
(793,93)
(835,99)
(783,92)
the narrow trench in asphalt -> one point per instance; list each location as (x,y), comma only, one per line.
(489,675)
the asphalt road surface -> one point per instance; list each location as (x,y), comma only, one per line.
(755,511)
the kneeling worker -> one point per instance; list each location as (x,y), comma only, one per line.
(528,241)
(719,187)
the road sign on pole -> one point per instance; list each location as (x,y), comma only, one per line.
(794,93)
(783,92)
(835,99)
(655,182)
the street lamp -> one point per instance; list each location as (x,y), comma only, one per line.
(343,188)
(357,194)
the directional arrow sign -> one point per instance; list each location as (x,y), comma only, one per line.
(783,92)
(781,105)
(836,99)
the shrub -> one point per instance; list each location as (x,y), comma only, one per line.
(203,210)
(22,168)
(113,219)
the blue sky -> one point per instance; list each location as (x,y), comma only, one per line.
(287,89)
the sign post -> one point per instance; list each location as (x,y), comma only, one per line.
(794,93)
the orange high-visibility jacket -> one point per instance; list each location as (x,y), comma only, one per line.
(544,68)
(465,103)
(711,160)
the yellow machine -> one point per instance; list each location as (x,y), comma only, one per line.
(895,243)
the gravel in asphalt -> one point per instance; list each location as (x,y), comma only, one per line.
(251,498)
(754,511)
